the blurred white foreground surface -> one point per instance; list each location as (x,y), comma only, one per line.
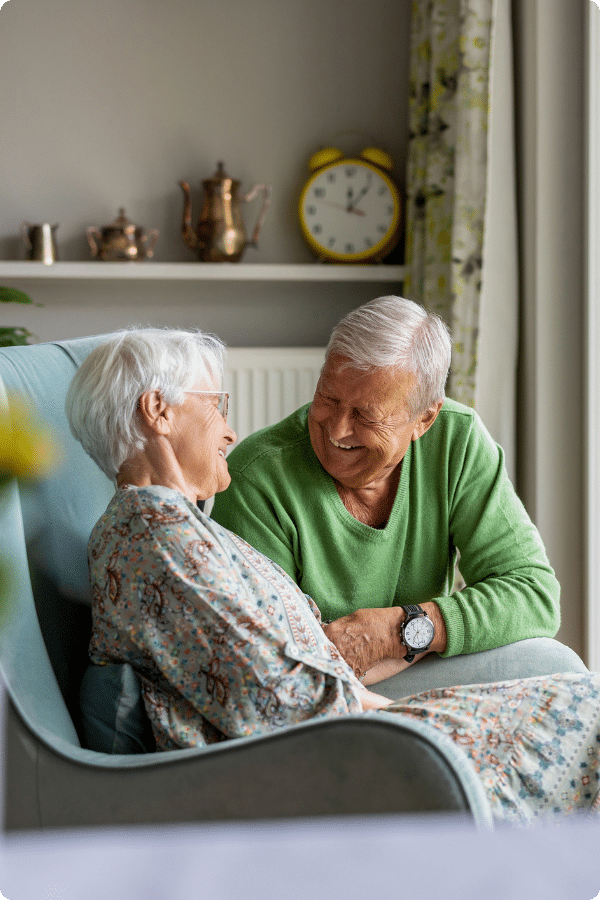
(351,859)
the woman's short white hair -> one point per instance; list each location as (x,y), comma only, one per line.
(102,399)
(395,332)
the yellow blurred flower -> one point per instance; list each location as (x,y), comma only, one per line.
(27,449)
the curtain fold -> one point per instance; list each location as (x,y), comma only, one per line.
(447,171)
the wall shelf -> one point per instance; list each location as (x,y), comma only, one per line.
(156,271)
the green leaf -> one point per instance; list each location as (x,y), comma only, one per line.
(12,295)
(14,337)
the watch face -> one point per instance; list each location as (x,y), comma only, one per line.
(418,633)
(349,211)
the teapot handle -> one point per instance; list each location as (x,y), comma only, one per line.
(93,232)
(149,239)
(265,190)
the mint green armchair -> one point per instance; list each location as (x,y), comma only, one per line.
(369,764)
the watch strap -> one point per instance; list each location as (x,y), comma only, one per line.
(412,610)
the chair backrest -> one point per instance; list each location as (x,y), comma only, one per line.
(44,529)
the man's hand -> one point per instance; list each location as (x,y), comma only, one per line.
(368,636)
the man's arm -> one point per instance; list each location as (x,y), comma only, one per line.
(510,592)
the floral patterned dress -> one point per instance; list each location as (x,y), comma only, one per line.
(534,742)
(227,645)
(224,641)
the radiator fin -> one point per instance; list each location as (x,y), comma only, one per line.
(267,384)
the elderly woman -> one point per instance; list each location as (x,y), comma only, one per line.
(367,495)
(223,640)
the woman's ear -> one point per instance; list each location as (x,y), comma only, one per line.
(154,413)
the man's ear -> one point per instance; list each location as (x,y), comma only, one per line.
(425,420)
(154,413)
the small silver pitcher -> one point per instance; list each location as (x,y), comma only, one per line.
(40,241)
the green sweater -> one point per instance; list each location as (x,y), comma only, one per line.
(454,495)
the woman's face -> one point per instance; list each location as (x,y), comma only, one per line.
(200,437)
(359,425)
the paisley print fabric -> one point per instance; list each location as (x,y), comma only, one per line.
(225,642)
(535,742)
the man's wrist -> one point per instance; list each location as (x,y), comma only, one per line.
(440,639)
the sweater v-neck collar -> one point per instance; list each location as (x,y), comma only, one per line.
(368,531)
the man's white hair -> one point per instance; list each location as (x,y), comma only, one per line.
(392,332)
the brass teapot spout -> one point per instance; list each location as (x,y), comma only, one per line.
(220,235)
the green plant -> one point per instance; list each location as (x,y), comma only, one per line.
(10,337)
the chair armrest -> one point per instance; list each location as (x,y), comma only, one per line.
(523,659)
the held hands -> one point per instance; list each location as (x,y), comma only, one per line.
(368,636)
(369,640)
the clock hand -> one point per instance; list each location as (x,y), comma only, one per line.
(358,212)
(351,203)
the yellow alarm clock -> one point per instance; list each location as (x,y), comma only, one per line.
(350,207)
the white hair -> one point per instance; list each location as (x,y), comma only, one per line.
(392,332)
(102,399)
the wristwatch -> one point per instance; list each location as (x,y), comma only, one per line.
(416,631)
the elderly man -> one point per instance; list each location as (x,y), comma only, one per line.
(367,496)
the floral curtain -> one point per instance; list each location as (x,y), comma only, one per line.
(447,171)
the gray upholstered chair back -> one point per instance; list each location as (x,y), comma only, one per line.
(46,534)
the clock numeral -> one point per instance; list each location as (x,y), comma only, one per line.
(319,192)
(311,210)
(331,177)
(368,242)
(350,172)
(382,190)
(349,248)
(390,210)
(317,229)
(382,229)
(331,242)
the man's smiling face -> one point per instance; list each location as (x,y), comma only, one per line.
(359,423)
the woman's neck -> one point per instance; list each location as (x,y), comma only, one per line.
(160,468)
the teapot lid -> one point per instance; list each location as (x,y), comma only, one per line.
(121,218)
(220,176)
(121,223)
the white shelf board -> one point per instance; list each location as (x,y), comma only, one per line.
(142,271)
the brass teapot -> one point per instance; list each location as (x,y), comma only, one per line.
(220,235)
(121,240)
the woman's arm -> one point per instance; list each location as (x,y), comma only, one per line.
(370,700)
(386,668)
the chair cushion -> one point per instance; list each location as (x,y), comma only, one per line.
(113,718)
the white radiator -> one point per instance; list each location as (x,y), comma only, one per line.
(266,384)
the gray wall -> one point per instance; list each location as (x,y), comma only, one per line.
(111,104)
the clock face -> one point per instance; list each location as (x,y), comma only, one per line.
(418,633)
(349,211)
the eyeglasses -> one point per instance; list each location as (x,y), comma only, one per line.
(223,403)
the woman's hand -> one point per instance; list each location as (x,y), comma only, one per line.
(367,636)
(386,668)
(370,700)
